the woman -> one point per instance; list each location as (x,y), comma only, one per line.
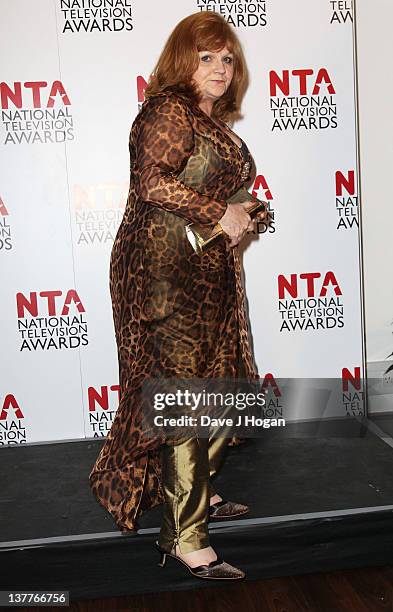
(178,313)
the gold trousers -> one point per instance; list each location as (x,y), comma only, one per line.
(186,472)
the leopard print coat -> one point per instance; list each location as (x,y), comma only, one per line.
(176,313)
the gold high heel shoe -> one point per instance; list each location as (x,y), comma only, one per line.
(216,570)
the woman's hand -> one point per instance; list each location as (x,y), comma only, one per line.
(236,222)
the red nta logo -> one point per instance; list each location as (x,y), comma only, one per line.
(49,302)
(3,208)
(304,81)
(351,378)
(346,182)
(261,183)
(10,402)
(270,381)
(101,397)
(141,85)
(290,286)
(33,92)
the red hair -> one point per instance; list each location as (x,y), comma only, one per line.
(203,31)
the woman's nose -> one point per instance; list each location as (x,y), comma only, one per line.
(220,67)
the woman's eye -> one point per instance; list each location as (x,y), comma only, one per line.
(207,58)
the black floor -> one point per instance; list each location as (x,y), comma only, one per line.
(321,498)
(307,468)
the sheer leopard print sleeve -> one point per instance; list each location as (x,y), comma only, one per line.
(243,195)
(162,142)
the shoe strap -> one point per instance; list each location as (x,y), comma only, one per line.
(218,505)
(204,568)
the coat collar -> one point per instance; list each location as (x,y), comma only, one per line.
(201,122)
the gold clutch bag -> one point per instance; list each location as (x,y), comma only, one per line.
(201,237)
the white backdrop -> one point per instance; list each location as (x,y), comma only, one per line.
(69,94)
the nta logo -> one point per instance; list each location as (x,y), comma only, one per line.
(309,278)
(346,200)
(302,99)
(301,80)
(31,94)
(47,323)
(31,304)
(35,111)
(313,309)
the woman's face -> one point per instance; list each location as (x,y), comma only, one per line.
(214,73)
